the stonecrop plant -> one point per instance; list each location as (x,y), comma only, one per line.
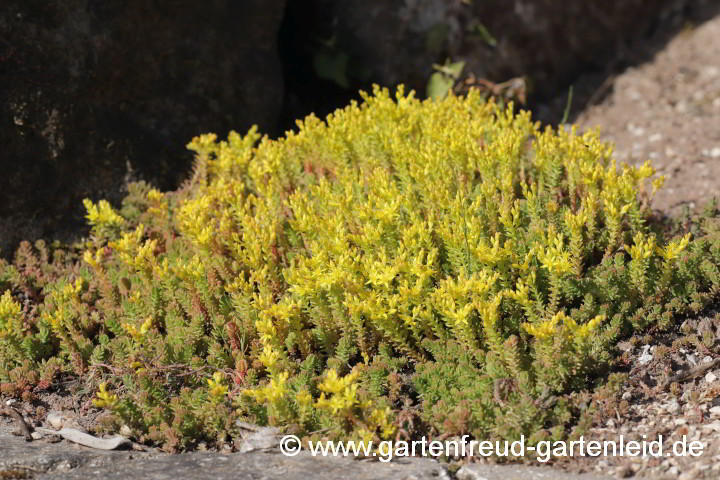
(403,268)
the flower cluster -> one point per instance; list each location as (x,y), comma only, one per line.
(449,260)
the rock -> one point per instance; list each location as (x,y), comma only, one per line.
(710,377)
(711,427)
(96,93)
(689,475)
(624,471)
(58,420)
(645,356)
(672,407)
(496,472)
(85,439)
(68,462)
(259,438)
(215,466)
(550,42)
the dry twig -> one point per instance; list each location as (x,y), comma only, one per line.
(691,373)
(15,415)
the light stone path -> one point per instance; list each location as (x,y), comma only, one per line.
(55,461)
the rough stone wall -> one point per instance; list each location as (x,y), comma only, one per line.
(548,41)
(96,92)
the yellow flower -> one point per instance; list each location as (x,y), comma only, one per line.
(269,357)
(335,384)
(217,385)
(303,398)
(674,248)
(273,392)
(138,334)
(343,392)
(642,248)
(382,419)
(102,214)
(10,312)
(103,398)
(571,329)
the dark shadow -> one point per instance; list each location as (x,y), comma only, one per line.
(594,83)
(305,31)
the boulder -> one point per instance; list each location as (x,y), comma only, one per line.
(96,93)
(548,41)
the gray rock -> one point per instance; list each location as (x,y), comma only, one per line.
(259,465)
(497,472)
(94,93)
(549,41)
(63,460)
(60,457)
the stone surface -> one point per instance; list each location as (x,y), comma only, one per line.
(502,472)
(95,93)
(62,460)
(41,456)
(667,110)
(547,40)
(258,465)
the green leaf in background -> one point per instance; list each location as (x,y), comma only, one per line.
(481,31)
(450,69)
(444,78)
(455,69)
(332,66)
(439,85)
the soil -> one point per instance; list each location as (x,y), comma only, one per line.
(668,111)
(672,392)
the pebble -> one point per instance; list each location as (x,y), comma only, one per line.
(710,377)
(645,357)
(635,130)
(715,411)
(711,71)
(711,427)
(689,475)
(624,471)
